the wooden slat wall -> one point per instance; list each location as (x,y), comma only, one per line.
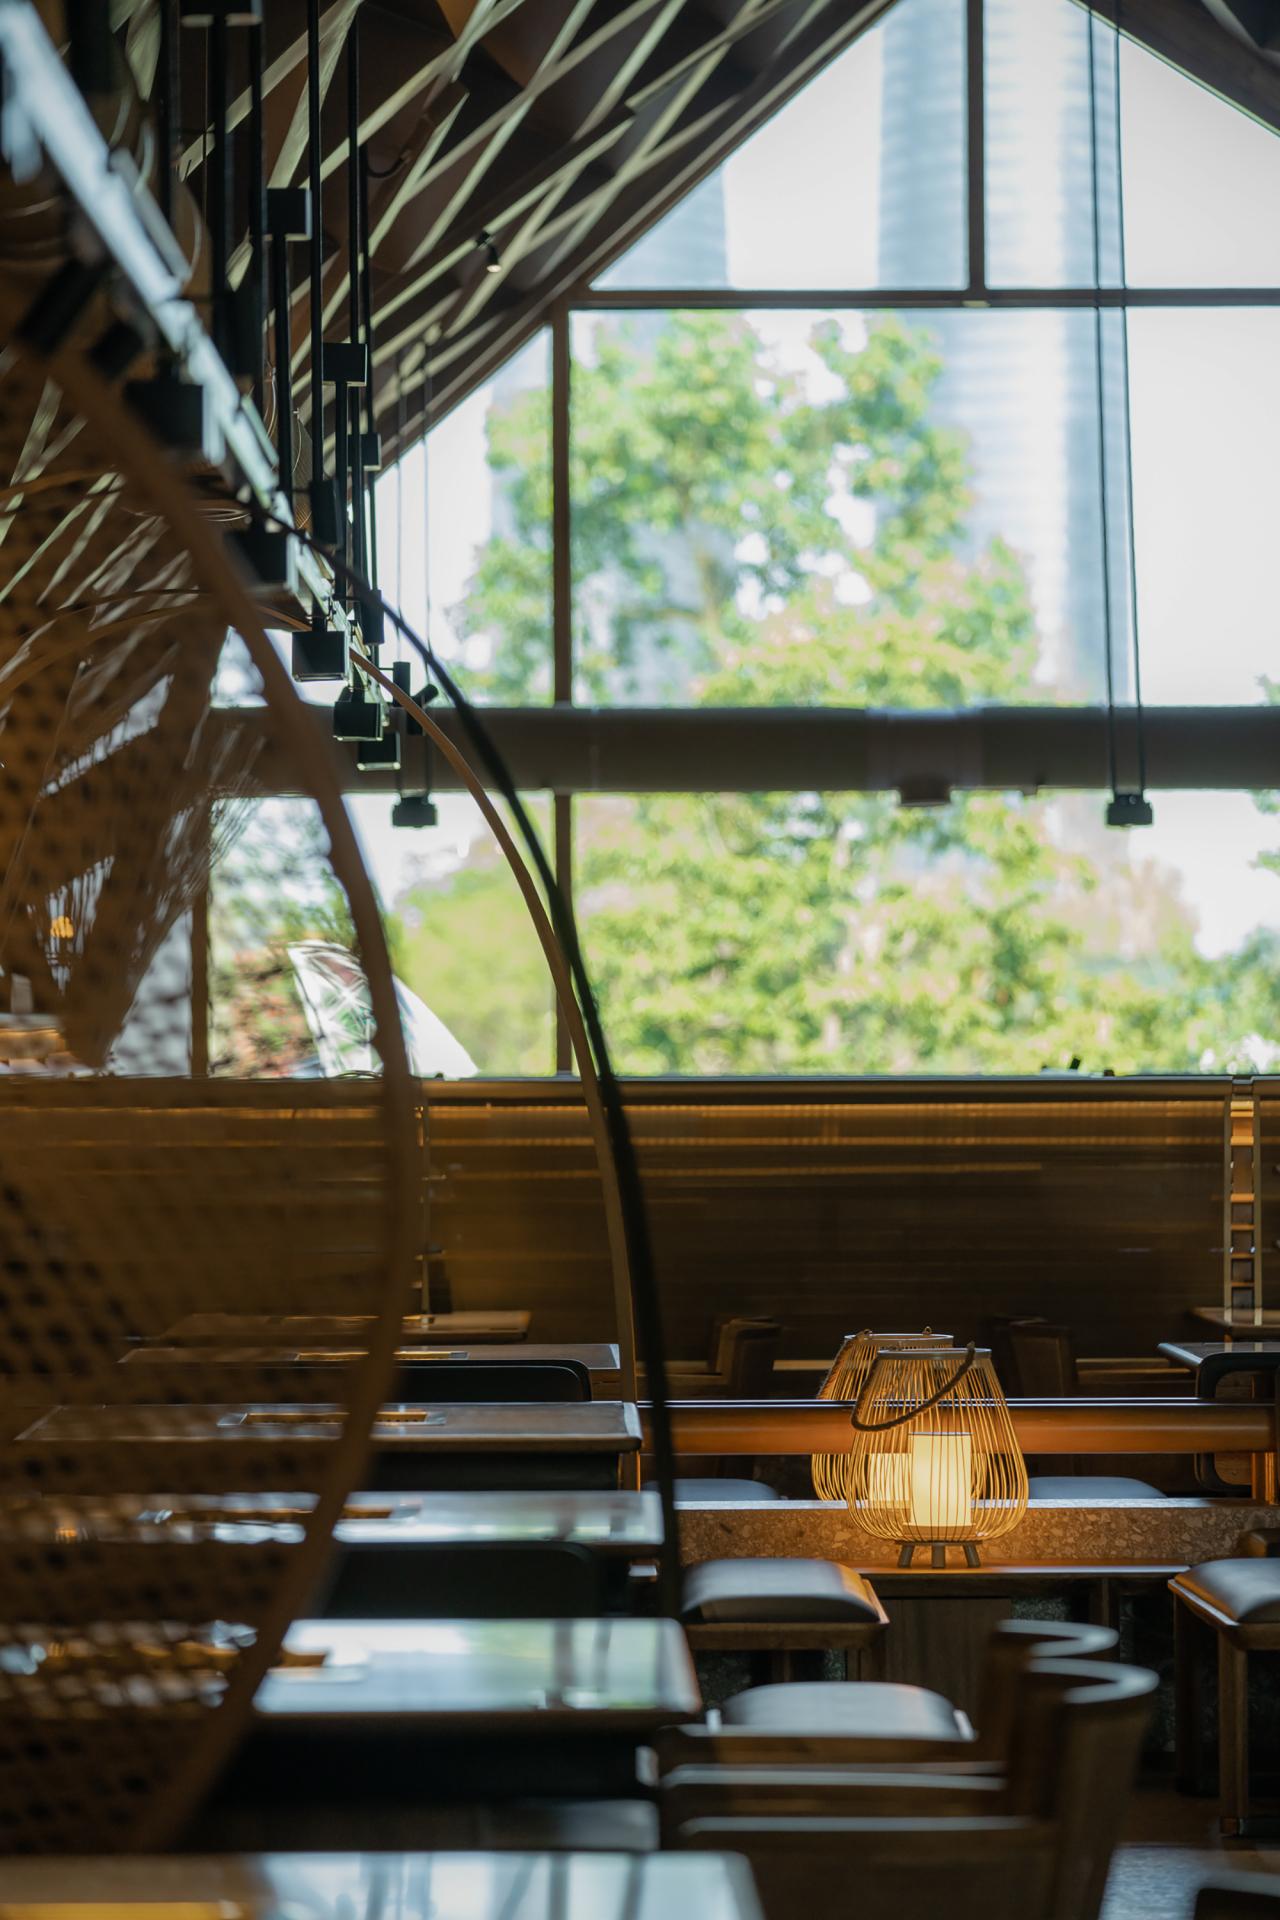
(181,1196)
(837,1205)
(829,1205)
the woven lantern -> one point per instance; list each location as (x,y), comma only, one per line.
(844,1381)
(935,1461)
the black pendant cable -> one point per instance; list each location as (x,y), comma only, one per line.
(351,401)
(1129,807)
(415,809)
(167,88)
(317,272)
(257,270)
(635,1217)
(370,444)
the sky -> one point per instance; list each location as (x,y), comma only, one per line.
(1205,392)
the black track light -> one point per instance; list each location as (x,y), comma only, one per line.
(414,810)
(357,715)
(492,258)
(1129,810)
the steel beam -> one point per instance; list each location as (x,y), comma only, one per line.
(755,750)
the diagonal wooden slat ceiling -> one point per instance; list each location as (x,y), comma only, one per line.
(562,128)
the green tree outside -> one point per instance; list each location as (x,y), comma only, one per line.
(745,534)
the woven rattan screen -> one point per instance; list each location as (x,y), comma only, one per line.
(137,1182)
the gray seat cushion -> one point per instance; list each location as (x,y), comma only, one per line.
(755,1590)
(873,1709)
(1085,1488)
(713,1492)
(1246,1591)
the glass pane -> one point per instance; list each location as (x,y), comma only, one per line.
(286,988)
(464,533)
(461,939)
(1198,174)
(910,516)
(859,182)
(846,934)
(1206,387)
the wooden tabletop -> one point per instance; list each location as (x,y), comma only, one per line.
(1244,1324)
(446,1886)
(338,1329)
(578,1426)
(598,1357)
(622,1523)
(613,1674)
(1193,1353)
(265,1447)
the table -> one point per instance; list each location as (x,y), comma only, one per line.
(1244,1324)
(160,1540)
(444,1886)
(1211,1361)
(462,1710)
(621,1523)
(338,1329)
(574,1445)
(310,1365)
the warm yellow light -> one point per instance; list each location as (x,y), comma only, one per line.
(941,1496)
(62,928)
(845,1380)
(934,1460)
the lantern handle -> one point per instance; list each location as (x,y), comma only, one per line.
(900,1420)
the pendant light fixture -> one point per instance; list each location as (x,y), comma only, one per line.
(935,1461)
(845,1380)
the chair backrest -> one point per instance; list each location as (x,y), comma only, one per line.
(496,1380)
(1042,1360)
(1073,1750)
(1239,1896)
(1013,1645)
(742,1352)
(553,1580)
(829,1867)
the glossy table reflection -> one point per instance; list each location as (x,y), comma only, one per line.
(410,1886)
(411,1713)
(575,1445)
(338,1329)
(615,1522)
(460,1676)
(597,1356)
(1211,1360)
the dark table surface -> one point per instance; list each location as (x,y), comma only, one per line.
(582,1426)
(609,1675)
(339,1329)
(624,1523)
(1210,1360)
(598,1357)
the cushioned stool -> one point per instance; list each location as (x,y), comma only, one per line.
(1086,1489)
(780,1607)
(719,1493)
(1239,1601)
(867,1709)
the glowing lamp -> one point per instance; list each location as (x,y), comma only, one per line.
(845,1380)
(934,1461)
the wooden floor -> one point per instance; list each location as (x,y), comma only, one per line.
(1171,1847)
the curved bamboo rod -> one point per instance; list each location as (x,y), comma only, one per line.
(623,1307)
(149,467)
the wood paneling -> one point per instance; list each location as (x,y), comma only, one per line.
(838,1205)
